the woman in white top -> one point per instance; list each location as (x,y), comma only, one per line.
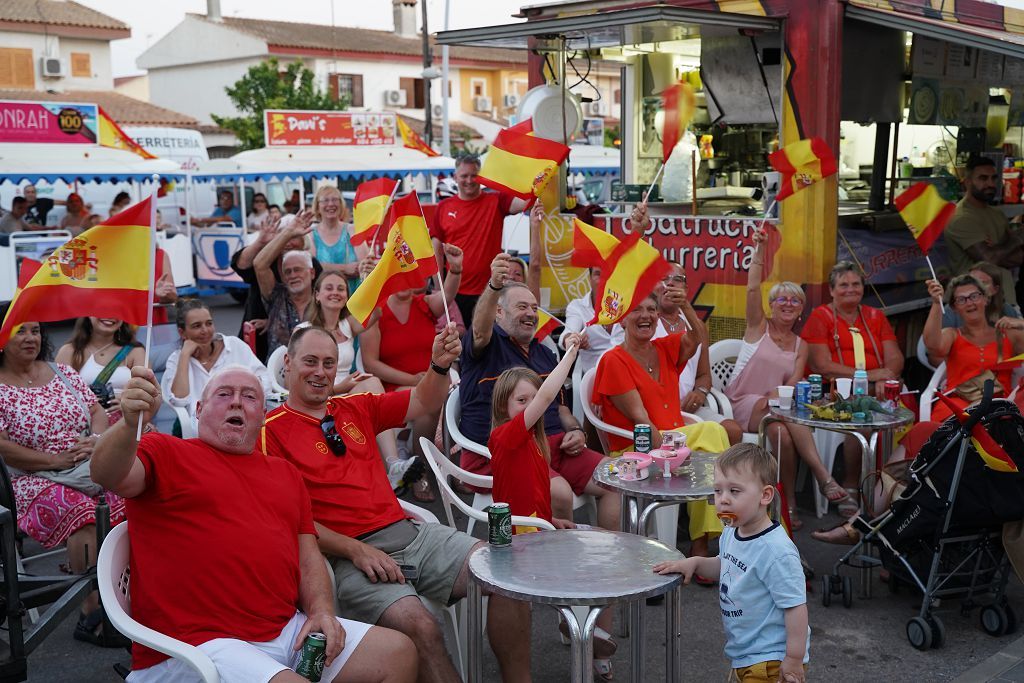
(203,352)
(594,339)
(260,212)
(103,351)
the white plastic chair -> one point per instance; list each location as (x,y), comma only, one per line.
(275,367)
(577,394)
(928,396)
(112,574)
(722,357)
(922,354)
(187,422)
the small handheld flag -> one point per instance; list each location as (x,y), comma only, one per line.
(546,324)
(521,163)
(995,456)
(925,212)
(629,275)
(411,140)
(591,247)
(679,104)
(368,209)
(802,163)
(111,135)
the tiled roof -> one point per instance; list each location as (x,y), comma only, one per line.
(126,111)
(57,13)
(348,39)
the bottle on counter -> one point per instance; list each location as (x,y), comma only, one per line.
(860,382)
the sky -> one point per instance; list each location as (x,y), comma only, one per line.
(150,21)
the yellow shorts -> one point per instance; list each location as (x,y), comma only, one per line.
(762,672)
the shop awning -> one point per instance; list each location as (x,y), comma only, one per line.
(606,29)
(290,163)
(993,40)
(80,163)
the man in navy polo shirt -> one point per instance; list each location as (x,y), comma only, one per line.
(504,323)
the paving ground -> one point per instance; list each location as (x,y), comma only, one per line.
(863,643)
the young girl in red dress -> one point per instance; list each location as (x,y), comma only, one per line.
(520,459)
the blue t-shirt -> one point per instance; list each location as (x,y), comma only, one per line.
(479,374)
(760,577)
(234,214)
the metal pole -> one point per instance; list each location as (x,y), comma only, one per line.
(446,136)
(428,126)
(879,167)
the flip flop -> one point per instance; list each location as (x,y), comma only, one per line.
(833,491)
(422,492)
(850,507)
(795,523)
(602,669)
(841,534)
(604,645)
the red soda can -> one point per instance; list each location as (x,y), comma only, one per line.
(892,390)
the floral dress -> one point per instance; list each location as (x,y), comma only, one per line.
(50,419)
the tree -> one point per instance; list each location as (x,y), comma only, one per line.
(265,86)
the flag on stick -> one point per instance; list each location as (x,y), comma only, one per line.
(368,209)
(413,141)
(995,456)
(629,275)
(111,135)
(546,324)
(520,163)
(679,104)
(925,212)
(408,259)
(802,163)
(96,273)
(591,247)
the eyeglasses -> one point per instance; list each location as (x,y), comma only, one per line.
(675,279)
(331,436)
(791,300)
(972,297)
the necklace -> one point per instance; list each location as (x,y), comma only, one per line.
(209,359)
(672,326)
(99,351)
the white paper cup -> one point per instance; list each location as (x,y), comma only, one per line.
(843,386)
(785,397)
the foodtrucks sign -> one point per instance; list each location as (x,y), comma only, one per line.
(48,122)
(327,128)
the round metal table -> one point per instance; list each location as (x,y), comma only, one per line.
(578,568)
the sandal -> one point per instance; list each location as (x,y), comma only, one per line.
(602,669)
(704,581)
(422,492)
(833,491)
(89,630)
(850,506)
(604,645)
(842,534)
(795,523)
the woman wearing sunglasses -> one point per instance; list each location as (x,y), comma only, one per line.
(773,355)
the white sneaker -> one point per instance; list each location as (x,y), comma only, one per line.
(397,470)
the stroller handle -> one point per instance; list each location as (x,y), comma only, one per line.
(982,408)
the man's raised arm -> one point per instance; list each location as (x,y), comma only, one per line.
(114,464)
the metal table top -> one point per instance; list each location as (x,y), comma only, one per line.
(575,567)
(696,482)
(879,421)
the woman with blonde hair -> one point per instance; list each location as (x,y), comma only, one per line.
(332,236)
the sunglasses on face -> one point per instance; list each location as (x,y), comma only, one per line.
(783,300)
(331,436)
(674,280)
(970,298)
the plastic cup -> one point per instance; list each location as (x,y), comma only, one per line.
(627,469)
(785,399)
(843,386)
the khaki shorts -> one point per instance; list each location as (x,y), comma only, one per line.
(762,672)
(438,552)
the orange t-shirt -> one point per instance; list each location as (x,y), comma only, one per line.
(822,328)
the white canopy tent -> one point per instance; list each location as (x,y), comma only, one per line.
(79,163)
(362,162)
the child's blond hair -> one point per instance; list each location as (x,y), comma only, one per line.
(747,455)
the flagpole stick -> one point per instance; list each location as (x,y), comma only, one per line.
(767,214)
(654,182)
(391,199)
(440,282)
(152,286)
(942,306)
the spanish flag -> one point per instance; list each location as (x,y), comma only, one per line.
(630,274)
(591,247)
(408,259)
(925,212)
(679,104)
(111,135)
(994,456)
(1009,363)
(521,164)
(802,163)
(96,273)
(371,201)
(413,141)
(546,324)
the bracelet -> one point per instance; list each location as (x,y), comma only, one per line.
(439,370)
(454,272)
(703,390)
(496,289)
(577,428)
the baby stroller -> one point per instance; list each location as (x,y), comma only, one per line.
(943,533)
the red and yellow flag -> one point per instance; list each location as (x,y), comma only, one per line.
(591,247)
(520,163)
(368,208)
(408,259)
(630,274)
(96,273)
(802,163)
(546,324)
(111,135)
(925,212)
(679,104)
(994,456)
(413,141)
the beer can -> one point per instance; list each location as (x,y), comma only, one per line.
(642,438)
(499,524)
(802,395)
(817,387)
(311,657)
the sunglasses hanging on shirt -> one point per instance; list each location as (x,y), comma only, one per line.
(331,436)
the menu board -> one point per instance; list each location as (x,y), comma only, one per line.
(929,57)
(327,128)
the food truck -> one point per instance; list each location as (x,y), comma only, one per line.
(900,92)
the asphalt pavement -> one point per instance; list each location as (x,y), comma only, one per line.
(865,642)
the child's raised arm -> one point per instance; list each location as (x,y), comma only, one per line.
(553,383)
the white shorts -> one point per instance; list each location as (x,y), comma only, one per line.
(238,661)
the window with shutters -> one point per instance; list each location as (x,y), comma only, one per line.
(81,65)
(346,84)
(414,95)
(16,70)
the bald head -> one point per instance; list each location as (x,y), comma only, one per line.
(230,412)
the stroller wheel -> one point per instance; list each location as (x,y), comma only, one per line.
(826,591)
(994,620)
(847,592)
(919,633)
(938,631)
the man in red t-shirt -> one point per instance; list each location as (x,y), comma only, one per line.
(223,547)
(362,527)
(474,222)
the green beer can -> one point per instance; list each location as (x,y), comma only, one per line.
(499,524)
(311,657)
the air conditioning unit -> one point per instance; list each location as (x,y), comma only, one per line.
(437,111)
(482,104)
(51,67)
(510,101)
(599,108)
(394,98)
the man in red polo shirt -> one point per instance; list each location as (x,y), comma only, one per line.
(472,221)
(362,527)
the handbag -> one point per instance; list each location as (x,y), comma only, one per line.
(79,476)
(972,389)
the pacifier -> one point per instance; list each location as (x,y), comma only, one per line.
(727,518)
